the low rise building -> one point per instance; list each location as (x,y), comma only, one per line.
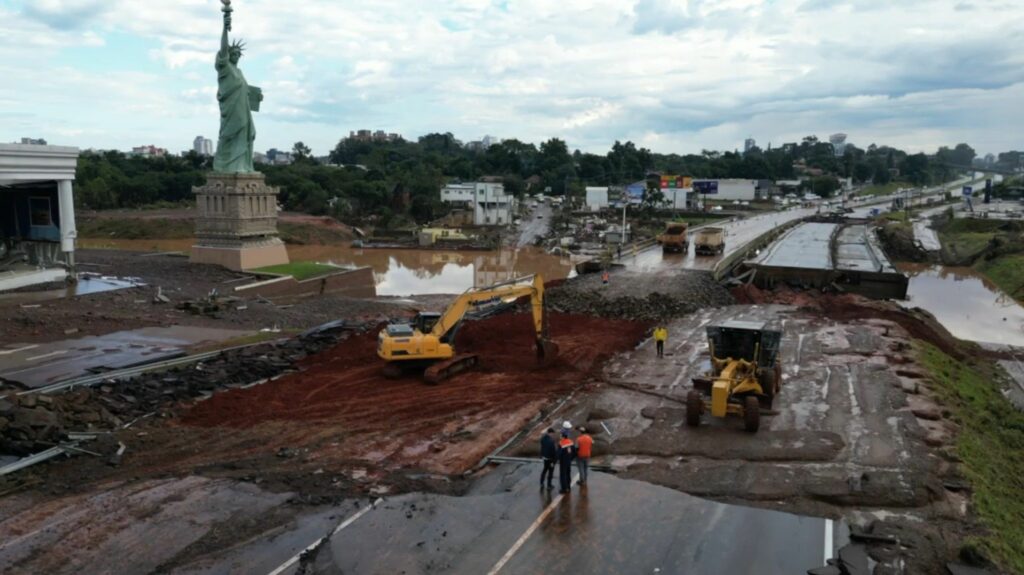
(490,204)
(149,151)
(37,214)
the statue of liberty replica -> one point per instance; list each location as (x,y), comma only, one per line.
(237,222)
(237,101)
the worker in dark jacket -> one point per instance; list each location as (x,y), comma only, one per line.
(549,454)
(566,453)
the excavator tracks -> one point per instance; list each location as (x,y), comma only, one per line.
(443,370)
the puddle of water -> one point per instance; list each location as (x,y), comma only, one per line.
(968,305)
(87,284)
(401,272)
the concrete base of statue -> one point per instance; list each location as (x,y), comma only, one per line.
(236,225)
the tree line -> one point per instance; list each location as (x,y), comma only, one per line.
(399,180)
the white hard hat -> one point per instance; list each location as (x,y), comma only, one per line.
(567,425)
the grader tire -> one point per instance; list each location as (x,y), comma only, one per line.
(769,387)
(694,408)
(751,414)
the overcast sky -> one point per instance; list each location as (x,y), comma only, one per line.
(671,75)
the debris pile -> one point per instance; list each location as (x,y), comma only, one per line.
(640,299)
(34,422)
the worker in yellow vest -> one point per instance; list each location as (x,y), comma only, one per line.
(660,335)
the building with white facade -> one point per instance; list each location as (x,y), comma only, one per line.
(37,214)
(202,146)
(597,198)
(490,204)
(732,190)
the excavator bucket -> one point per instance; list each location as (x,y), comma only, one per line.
(547,351)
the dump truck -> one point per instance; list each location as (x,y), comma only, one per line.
(709,241)
(427,342)
(674,238)
(745,374)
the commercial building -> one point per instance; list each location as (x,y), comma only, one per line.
(278,157)
(490,204)
(749,144)
(733,189)
(37,214)
(202,146)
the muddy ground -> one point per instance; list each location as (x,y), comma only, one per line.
(854,435)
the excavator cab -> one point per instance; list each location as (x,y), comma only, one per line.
(425,321)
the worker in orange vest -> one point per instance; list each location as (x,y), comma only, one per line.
(566,453)
(584,447)
(605,277)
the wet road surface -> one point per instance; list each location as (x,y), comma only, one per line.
(506,525)
(43,364)
(738,234)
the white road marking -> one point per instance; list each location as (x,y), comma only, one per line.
(828,540)
(25,348)
(529,531)
(314,544)
(45,355)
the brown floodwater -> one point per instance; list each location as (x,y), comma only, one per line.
(965,303)
(401,272)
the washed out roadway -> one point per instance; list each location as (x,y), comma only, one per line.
(507,525)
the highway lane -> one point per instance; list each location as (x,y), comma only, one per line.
(506,525)
(743,231)
(738,233)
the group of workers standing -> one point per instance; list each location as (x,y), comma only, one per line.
(563,452)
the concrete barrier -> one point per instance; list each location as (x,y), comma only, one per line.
(358,282)
(724,267)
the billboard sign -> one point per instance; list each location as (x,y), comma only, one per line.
(968,190)
(706,187)
(675,182)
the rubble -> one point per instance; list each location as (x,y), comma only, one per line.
(34,422)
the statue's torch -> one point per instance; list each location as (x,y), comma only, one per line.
(227,10)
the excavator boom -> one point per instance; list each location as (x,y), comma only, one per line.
(436,343)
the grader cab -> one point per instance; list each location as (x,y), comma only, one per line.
(745,374)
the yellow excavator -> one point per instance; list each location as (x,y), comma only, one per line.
(745,374)
(428,341)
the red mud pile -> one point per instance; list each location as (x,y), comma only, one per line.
(408,421)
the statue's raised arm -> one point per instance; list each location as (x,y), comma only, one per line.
(224,47)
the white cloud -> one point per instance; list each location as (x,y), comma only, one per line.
(675,75)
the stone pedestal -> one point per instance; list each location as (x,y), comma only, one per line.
(236,224)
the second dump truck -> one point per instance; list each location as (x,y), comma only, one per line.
(709,241)
(673,239)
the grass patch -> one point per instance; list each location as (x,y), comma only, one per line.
(991,445)
(300,270)
(1007,272)
(883,189)
(136,228)
(965,246)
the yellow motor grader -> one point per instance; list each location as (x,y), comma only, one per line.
(745,374)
